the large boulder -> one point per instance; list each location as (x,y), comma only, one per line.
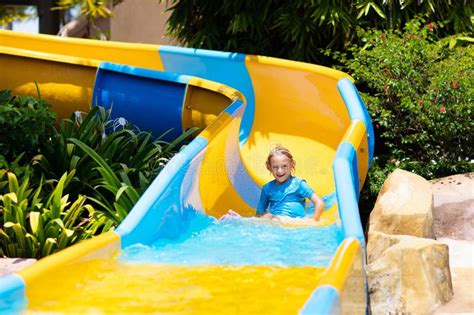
(406,274)
(404,206)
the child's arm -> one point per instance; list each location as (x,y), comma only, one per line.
(318,206)
(262,204)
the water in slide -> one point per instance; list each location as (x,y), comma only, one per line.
(170,255)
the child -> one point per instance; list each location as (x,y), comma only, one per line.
(285,195)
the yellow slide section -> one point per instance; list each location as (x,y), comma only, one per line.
(172,289)
(300,110)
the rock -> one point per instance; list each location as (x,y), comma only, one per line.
(404,206)
(453,209)
(378,243)
(406,274)
(453,214)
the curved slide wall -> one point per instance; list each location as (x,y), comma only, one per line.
(314,111)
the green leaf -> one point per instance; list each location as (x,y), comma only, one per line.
(120,191)
(11,196)
(13,183)
(466,38)
(35,223)
(452,43)
(121,210)
(106,170)
(64,238)
(19,233)
(74,212)
(49,247)
(4,236)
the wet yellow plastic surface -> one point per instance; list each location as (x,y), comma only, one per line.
(113,287)
(140,55)
(65,84)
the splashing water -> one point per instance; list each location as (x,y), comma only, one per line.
(242,242)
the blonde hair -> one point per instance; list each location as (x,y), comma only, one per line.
(280,150)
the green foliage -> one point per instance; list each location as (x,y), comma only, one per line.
(101,165)
(112,168)
(457,16)
(35,224)
(420,95)
(300,29)
(11,13)
(26,124)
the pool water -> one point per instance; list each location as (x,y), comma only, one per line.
(242,242)
(238,266)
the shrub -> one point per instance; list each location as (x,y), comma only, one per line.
(26,124)
(300,30)
(36,224)
(112,168)
(88,175)
(419,92)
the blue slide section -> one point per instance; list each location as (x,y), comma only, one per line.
(151,100)
(357,110)
(222,67)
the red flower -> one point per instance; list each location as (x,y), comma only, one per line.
(455,85)
(442,110)
(430,26)
(377,126)
(382,36)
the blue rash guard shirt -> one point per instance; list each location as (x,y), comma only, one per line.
(286,199)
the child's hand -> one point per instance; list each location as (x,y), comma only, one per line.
(268,216)
(231,214)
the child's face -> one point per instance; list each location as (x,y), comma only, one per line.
(280,167)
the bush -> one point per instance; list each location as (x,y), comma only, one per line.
(419,92)
(35,224)
(88,175)
(26,124)
(300,30)
(112,168)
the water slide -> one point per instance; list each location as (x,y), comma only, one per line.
(244,105)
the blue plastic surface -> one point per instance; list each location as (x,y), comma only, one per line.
(151,100)
(347,191)
(357,110)
(240,179)
(324,300)
(162,212)
(12,294)
(222,67)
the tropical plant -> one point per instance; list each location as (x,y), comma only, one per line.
(300,29)
(16,166)
(113,162)
(457,16)
(35,224)
(26,124)
(113,192)
(116,141)
(102,165)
